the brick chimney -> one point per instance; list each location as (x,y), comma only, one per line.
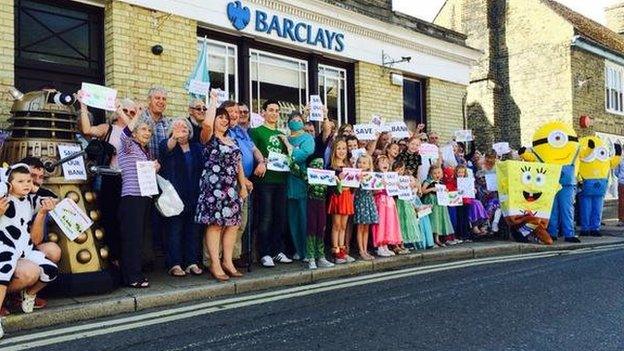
(615,17)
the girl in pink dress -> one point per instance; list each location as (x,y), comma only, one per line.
(387,231)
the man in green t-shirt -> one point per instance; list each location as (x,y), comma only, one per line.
(270,187)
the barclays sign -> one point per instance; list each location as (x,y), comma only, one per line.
(286,28)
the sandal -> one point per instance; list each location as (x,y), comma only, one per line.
(176,271)
(140,284)
(194,270)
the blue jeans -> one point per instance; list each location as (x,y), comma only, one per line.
(272,218)
(182,240)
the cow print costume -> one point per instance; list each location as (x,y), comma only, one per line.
(15,242)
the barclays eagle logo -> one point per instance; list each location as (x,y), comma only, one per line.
(238,14)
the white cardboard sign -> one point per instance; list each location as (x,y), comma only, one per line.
(316,109)
(365,131)
(398,130)
(146,174)
(99,96)
(463,135)
(73,169)
(70,218)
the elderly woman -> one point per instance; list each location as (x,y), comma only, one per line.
(182,165)
(134,209)
(109,192)
(222,188)
(302,145)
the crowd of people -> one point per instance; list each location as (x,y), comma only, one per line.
(215,161)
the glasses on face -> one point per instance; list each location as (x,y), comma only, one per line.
(129,112)
(244,112)
(200,108)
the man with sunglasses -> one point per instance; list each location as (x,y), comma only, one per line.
(244,120)
(197,114)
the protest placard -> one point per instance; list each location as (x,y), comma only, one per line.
(355,155)
(70,218)
(222,96)
(277,162)
(198,87)
(255,120)
(398,129)
(146,173)
(350,177)
(448,155)
(321,176)
(372,181)
(392,183)
(442,195)
(455,199)
(316,109)
(72,169)
(491,182)
(98,96)
(365,131)
(463,135)
(428,150)
(405,188)
(466,187)
(501,148)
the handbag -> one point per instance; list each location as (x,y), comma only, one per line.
(101,151)
(169,203)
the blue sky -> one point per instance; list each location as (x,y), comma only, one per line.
(427,9)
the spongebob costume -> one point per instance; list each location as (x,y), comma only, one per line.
(557,143)
(527,192)
(594,174)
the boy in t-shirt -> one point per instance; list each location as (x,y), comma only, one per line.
(15,241)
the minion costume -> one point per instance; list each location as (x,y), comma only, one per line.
(557,143)
(594,174)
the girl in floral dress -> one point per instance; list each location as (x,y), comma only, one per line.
(220,200)
(365,210)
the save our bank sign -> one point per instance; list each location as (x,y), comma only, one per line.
(283,27)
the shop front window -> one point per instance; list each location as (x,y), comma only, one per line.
(279,78)
(222,63)
(332,88)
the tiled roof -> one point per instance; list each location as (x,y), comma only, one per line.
(588,28)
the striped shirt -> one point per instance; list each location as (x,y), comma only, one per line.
(130,152)
(159,132)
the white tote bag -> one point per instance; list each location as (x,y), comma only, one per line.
(168,203)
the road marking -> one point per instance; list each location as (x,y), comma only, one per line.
(56,336)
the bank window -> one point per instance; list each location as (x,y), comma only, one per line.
(222,66)
(413,112)
(333,91)
(279,78)
(614,89)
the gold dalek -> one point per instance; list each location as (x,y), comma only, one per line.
(39,122)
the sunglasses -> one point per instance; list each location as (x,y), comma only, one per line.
(129,112)
(200,109)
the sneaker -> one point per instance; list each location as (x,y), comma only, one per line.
(620,224)
(381,252)
(311,264)
(340,260)
(349,259)
(267,261)
(324,263)
(281,258)
(296,257)
(28,302)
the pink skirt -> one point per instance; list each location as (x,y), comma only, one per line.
(388,230)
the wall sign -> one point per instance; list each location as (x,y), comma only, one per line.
(283,27)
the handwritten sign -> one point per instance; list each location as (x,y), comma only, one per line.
(501,148)
(428,150)
(99,96)
(365,131)
(491,182)
(372,181)
(277,162)
(350,177)
(316,109)
(146,173)
(398,130)
(448,155)
(321,176)
(70,218)
(392,183)
(455,199)
(376,120)
(222,96)
(466,187)
(72,169)
(198,87)
(442,195)
(255,120)
(355,155)
(405,188)
(463,135)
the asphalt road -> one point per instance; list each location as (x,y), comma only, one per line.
(572,302)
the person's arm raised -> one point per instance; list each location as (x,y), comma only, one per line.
(84,123)
(208,123)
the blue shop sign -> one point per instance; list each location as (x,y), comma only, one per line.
(296,31)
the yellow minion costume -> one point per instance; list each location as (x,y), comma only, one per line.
(557,143)
(594,173)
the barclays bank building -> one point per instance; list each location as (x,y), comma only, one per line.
(361,57)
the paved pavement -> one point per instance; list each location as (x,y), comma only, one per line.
(565,302)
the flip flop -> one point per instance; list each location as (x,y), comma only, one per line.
(194,270)
(177,271)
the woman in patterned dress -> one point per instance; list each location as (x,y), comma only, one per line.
(222,188)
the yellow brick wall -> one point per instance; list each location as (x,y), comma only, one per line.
(374,94)
(7,54)
(444,107)
(130,32)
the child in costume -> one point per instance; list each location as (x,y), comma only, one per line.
(489,198)
(365,210)
(387,230)
(458,214)
(340,203)
(424,223)
(408,221)
(440,219)
(476,212)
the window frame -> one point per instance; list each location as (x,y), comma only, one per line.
(614,84)
(225,57)
(322,78)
